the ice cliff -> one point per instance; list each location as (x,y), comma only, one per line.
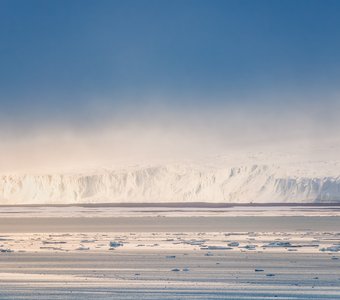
(180,183)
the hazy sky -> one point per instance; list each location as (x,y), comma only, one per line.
(96,82)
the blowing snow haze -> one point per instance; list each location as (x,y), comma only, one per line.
(164,136)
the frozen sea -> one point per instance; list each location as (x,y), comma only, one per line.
(77,252)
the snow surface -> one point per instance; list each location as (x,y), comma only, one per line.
(221,182)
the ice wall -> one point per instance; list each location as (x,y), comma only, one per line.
(244,184)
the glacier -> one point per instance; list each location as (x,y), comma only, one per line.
(252,183)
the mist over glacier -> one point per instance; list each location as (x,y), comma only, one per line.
(158,133)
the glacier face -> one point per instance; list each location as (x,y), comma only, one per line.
(248,183)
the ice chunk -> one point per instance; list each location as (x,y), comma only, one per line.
(334,248)
(278,244)
(233,244)
(83,248)
(114,244)
(216,248)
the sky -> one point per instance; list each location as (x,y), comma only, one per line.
(85,83)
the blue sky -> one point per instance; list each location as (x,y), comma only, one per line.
(62,58)
(165,77)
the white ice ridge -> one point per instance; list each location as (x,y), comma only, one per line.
(178,183)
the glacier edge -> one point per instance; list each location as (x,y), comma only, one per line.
(244,184)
